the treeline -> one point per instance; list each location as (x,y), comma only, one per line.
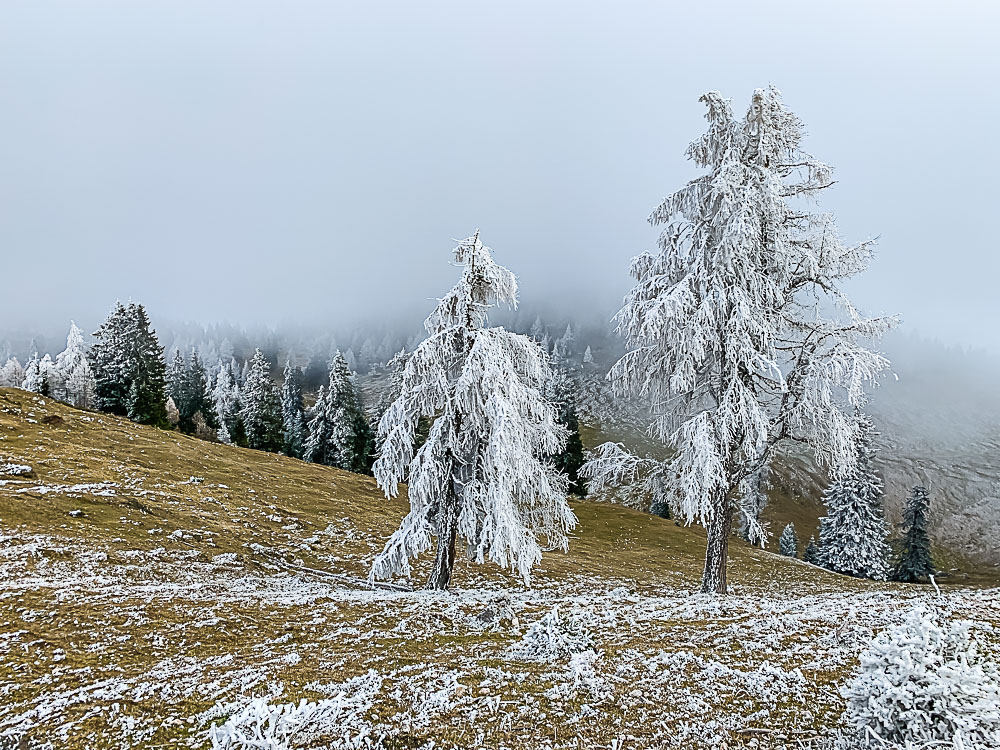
(317,419)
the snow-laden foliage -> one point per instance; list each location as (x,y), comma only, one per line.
(554,636)
(72,378)
(338,723)
(481,475)
(737,330)
(925,682)
(788,542)
(852,535)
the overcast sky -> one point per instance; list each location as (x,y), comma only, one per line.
(266,162)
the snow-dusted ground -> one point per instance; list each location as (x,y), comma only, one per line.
(116,647)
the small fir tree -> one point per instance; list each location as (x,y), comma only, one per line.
(562,393)
(339,433)
(11,374)
(812,554)
(915,564)
(147,397)
(788,542)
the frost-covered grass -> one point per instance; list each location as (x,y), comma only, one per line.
(169,606)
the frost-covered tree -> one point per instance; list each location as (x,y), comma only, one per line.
(11,374)
(189,387)
(226,402)
(915,564)
(537,329)
(261,407)
(127,363)
(293,411)
(737,330)
(38,375)
(811,554)
(852,535)
(147,397)
(588,357)
(74,380)
(754,500)
(482,475)
(788,542)
(338,433)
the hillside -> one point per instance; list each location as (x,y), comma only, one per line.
(152,584)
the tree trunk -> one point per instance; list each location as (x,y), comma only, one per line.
(447,524)
(713,581)
(444,559)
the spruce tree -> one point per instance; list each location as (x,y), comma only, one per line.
(788,542)
(147,397)
(128,368)
(812,553)
(915,563)
(110,362)
(226,401)
(261,407)
(852,535)
(339,433)
(292,412)
(74,378)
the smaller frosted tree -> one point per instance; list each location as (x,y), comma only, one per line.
(588,357)
(261,408)
(293,411)
(338,433)
(812,554)
(38,375)
(226,402)
(788,542)
(11,374)
(915,563)
(482,475)
(852,535)
(74,380)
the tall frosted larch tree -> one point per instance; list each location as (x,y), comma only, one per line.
(915,563)
(482,475)
(737,330)
(852,535)
(261,407)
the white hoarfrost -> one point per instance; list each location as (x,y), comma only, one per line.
(481,475)
(737,330)
(338,723)
(924,683)
(554,636)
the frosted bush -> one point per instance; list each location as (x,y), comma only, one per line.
(553,637)
(337,723)
(922,683)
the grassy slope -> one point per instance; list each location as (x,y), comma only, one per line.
(125,614)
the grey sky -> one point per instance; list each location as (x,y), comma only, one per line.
(265,162)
